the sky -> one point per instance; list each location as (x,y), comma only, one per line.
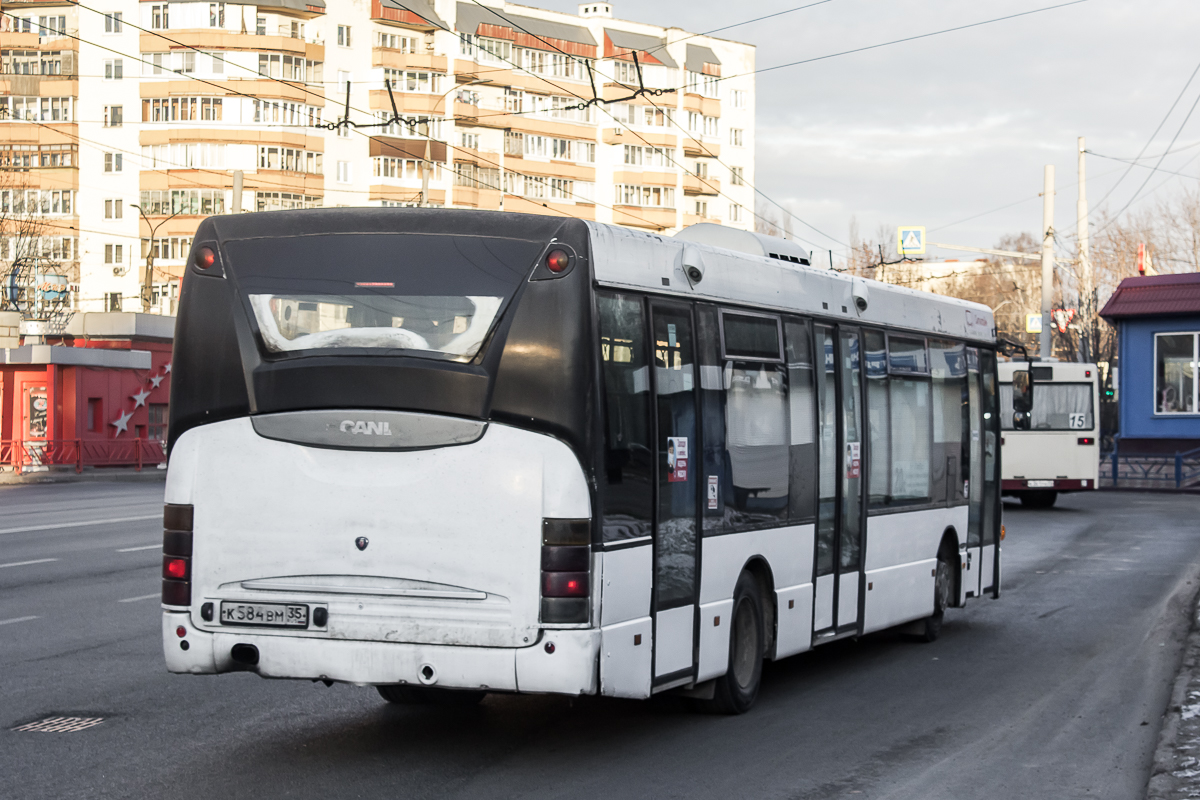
(936,131)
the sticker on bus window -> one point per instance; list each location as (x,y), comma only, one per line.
(712,492)
(677,459)
(1077,421)
(853,462)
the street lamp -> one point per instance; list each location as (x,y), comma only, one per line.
(147,280)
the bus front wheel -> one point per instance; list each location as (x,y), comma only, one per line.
(427,696)
(736,690)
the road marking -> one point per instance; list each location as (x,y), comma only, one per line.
(27,563)
(143,597)
(155,546)
(29,528)
(17,619)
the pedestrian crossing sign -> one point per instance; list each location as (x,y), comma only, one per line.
(910,240)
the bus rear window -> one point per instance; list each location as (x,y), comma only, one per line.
(436,296)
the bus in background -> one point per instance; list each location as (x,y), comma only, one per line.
(447,453)
(1061,450)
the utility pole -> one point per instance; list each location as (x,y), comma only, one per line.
(237,191)
(1044,341)
(1087,350)
(148,276)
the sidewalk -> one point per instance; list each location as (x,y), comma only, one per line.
(148,474)
(1175,774)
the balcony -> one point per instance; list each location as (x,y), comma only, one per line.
(394,59)
(692,147)
(694,185)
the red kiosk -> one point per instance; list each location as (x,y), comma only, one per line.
(94,396)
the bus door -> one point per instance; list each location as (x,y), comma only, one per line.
(675,521)
(989,549)
(971,556)
(838,564)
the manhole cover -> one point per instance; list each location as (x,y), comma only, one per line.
(59,725)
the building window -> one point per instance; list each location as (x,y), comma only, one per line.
(739,98)
(158,17)
(113,209)
(113,162)
(113,116)
(701,208)
(737,175)
(1175,370)
(470,141)
(114,253)
(735,212)
(735,136)
(112,22)
(216,15)
(260,26)
(344,172)
(112,301)
(189,62)
(114,69)
(158,418)
(218,64)
(343,35)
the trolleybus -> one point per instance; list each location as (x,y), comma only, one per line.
(1060,451)
(446,453)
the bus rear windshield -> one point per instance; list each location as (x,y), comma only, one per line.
(434,296)
(1056,407)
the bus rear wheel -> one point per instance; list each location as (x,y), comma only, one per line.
(736,690)
(943,583)
(427,696)
(1039,499)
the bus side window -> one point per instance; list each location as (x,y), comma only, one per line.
(991,445)
(878,420)
(627,494)
(802,495)
(756,420)
(948,366)
(909,421)
(714,473)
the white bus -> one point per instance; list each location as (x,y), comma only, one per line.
(446,453)
(1061,450)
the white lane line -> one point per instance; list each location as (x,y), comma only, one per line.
(114,521)
(17,619)
(27,563)
(155,546)
(143,597)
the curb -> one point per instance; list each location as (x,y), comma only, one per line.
(117,475)
(1175,773)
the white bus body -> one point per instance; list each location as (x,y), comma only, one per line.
(1061,450)
(633,481)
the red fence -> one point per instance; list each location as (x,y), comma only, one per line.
(79,453)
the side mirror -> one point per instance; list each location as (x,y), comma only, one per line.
(1022,398)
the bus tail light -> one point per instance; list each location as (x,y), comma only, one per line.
(1087,440)
(566,561)
(177,555)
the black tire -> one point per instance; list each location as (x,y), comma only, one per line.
(428,696)
(736,690)
(1039,499)
(943,584)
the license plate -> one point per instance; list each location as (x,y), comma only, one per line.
(277,615)
(1040,484)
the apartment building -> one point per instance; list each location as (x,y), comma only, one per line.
(123,124)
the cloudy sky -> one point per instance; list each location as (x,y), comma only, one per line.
(936,131)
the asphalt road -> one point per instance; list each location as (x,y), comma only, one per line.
(1054,691)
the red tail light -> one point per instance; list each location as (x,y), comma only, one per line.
(557,261)
(175,568)
(1087,440)
(566,561)
(205,257)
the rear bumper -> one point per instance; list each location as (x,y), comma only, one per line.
(1059,485)
(571,668)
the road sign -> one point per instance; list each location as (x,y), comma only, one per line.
(1033,323)
(910,240)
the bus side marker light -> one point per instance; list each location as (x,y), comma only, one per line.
(870,586)
(205,258)
(637,640)
(1002,533)
(549,648)
(557,261)
(181,631)
(791,603)
(717,622)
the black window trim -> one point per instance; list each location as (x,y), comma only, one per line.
(778,318)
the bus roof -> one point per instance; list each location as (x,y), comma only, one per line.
(627,258)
